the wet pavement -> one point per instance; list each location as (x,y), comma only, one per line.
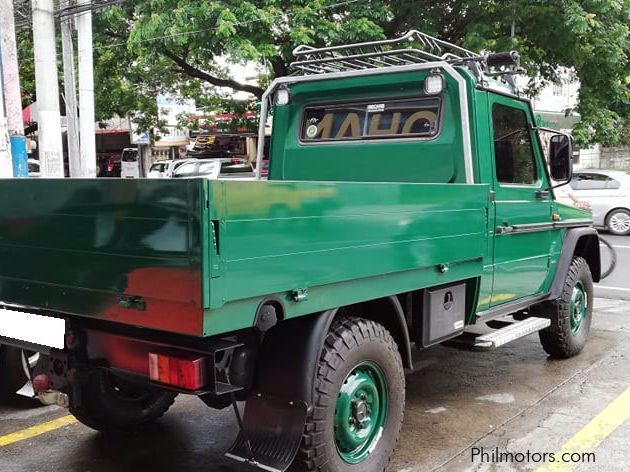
(514,399)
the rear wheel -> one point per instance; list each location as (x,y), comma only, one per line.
(570,314)
(618,222)
(109,403)
(359,401)
(15,365)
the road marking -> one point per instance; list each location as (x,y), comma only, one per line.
(591,435)
(37,430)
(616,247)
(612,288)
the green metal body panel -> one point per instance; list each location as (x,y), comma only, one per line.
(428,160)
(345,242)
(78,246)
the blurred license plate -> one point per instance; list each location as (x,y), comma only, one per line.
(31,328)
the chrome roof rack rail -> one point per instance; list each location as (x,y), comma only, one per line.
(414,47)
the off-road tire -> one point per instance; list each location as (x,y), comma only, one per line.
(350,342)
(12,375)
(110,405)
(559,340)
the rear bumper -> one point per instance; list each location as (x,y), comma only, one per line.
(228,362)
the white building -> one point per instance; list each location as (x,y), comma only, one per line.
(554,107)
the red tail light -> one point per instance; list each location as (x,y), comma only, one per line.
(110,167)
(180,369)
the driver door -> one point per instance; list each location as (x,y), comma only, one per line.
(523,204)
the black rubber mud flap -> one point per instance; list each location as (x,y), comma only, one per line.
(271,434)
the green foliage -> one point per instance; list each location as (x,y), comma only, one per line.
(589,36)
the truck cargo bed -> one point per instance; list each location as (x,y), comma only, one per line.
(197,257)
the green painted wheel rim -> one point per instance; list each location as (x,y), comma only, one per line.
(578,307)
(360,412)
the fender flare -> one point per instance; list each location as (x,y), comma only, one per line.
(288,357)
(582,241)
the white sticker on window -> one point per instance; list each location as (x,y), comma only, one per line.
(376,107)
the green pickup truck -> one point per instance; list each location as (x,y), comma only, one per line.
(409,202)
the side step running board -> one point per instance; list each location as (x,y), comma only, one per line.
(511,332)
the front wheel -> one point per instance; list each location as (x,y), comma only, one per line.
(570,314)
(359,400)
(111,404)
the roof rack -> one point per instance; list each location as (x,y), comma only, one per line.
(414,47)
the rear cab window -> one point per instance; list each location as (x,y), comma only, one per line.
(369,120)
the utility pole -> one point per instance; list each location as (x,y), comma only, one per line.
(6,167)
(69,83)
(86,91)
(47,89)
(12,94)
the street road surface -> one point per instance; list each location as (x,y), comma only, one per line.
(513,399)
(617,285)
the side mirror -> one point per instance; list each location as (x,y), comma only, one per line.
(561,157)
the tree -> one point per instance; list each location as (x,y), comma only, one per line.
(589,36)
(147,47)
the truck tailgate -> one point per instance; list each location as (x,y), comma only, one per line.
(123,250)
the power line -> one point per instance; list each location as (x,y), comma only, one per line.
(23,14)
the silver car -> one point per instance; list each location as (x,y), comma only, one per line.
(608,194)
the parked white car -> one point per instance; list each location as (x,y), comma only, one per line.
(608,194)
(232,169)
(164,169)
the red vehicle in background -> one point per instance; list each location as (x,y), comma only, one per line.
(110,166)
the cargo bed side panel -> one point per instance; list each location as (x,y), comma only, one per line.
(103,248)
(277,237)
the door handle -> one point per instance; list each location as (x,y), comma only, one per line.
(504,229)
(542,194)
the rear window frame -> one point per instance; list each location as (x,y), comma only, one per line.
(372,139)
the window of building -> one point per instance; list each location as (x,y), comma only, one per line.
(405,118)
(513,151)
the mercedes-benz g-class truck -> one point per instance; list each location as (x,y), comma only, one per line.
(409,202)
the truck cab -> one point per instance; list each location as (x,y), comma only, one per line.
(409,202)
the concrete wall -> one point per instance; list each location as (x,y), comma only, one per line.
(589,158)
(615,158)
